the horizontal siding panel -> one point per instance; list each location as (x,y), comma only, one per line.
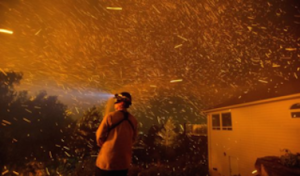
(258,131)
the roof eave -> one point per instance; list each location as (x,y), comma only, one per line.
(254,103)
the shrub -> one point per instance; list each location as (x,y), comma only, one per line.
(290,159)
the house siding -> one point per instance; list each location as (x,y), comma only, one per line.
(257,131)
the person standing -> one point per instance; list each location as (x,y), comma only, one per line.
(115,137)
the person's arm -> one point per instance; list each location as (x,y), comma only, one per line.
(101,133)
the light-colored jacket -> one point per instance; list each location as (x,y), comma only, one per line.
(116,149)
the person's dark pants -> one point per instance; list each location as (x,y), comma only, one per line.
(100,172)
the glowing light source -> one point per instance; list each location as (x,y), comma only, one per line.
(6,122)
(178,46)
(254,172)
(114,8)
(291,49)
(5,172)
(67,155)
(26,120)
(6,31)
(15,172)
(177,80)
(263,81)
(3,71)
(183,38)
(50,154)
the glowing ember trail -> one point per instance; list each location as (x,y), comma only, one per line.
(6,31)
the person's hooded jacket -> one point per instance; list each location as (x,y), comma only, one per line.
(116,145)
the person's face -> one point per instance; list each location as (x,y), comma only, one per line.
(119,105)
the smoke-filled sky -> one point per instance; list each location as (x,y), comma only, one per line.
(199,52)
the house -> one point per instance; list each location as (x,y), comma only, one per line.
(252,126)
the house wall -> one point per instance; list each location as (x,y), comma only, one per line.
(257,131)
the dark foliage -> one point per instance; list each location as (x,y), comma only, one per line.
(152,150)
(83,139)
(33,128)
(181,109)
(86,167)
(290,159)
(167,170)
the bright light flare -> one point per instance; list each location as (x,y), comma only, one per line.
(114,8)
(177,80)
(6,31)
(101,95)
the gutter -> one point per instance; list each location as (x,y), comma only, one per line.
(288,97)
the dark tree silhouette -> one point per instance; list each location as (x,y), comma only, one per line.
(7,97)
(153,151)
(181,109)
(33,128)
(83,143)
(83,139)
(167,135)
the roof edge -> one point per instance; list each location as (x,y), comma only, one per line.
(254,103)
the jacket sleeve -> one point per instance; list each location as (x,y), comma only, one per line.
(102,131)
